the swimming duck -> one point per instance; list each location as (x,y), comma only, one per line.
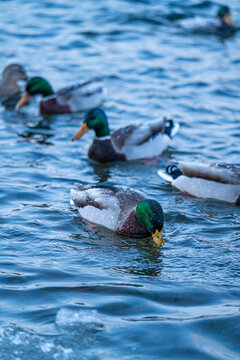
(10,75)
(80,97)
(219,182)
(222,25)
(224,17)
(225,23)
(129,143)
(121,209)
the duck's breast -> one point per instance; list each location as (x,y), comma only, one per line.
(103,151)
(131,227)
(51,106)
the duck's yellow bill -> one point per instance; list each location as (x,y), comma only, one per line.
(157,238)
(81,132)
(228,20)
(24,99)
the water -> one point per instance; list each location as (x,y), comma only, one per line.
(70,290)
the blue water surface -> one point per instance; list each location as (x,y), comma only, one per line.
(71,290)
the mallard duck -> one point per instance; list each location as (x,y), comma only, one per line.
(80,97)
(119,208)
(225,23)
(222,25)
(219,182)
(129,143)
(10,75)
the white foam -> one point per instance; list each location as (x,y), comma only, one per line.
(47,347)
(81,318)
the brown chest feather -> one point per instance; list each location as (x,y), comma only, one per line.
(103,151)
(51,106)
(131,226)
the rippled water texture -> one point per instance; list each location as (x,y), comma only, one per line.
(70,290)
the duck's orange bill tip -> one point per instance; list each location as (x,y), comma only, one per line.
(157,238)
(81,132)
(228,20)
(24,99)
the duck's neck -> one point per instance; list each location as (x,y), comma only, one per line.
(103,138)
(47,91)
(102,132)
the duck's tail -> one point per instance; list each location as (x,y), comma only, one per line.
(171,127)
(171,173)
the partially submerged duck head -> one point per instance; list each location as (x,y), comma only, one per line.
(224,15)
(150,215)
(95,119)
(36,85)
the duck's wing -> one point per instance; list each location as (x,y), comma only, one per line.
(105,205)
(218,173)
(199,25)
(83,96)
(97,205)
(136,135)
(99,195)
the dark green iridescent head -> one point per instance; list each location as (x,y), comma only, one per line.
(150,215)
(223,10)
(38,85)
(96,119)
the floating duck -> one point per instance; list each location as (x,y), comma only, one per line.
(80,97)
(225,23)
(129,143)
(222,25)
(9,87)
(121,209)
(217,182)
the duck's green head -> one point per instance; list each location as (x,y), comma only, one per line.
(36,85)
(150,215)
(224,14)
(95,119)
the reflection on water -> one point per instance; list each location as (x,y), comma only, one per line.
(39,132)
(101,173)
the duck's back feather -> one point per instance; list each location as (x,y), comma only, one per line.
(144,140)
(83,96)
(217,173)
(110,206)
(136,134)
